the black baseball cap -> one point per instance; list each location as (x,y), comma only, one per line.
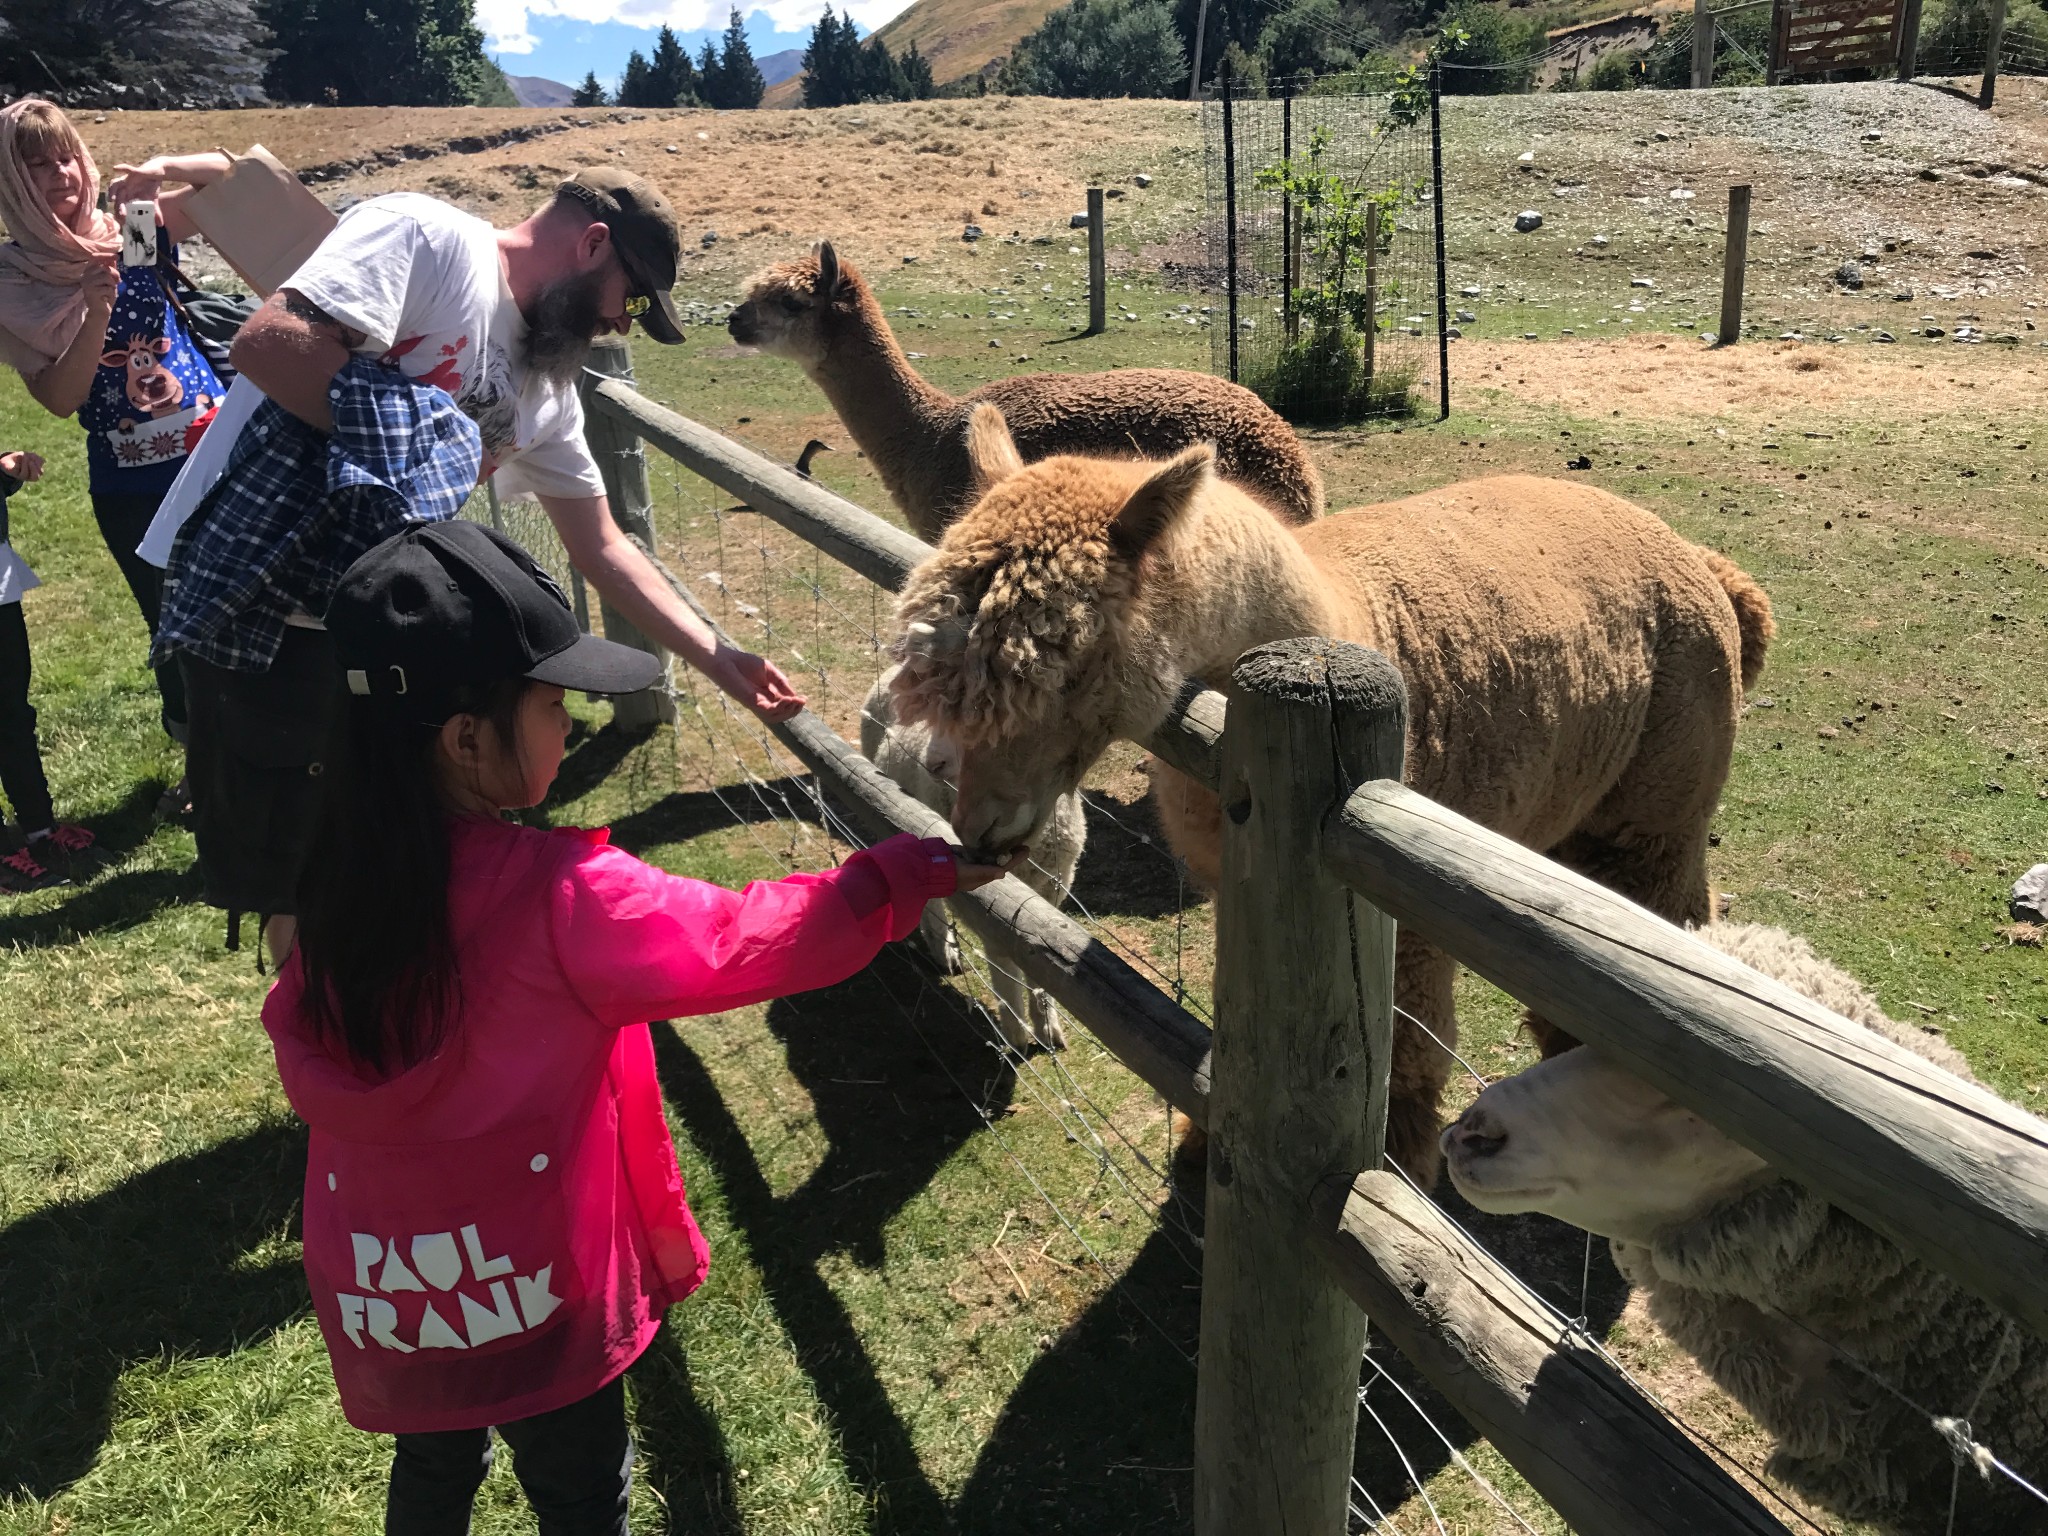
(453,605)
(644,230)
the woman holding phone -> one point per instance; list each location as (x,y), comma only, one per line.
(103,338)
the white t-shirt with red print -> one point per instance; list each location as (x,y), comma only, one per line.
(425,284)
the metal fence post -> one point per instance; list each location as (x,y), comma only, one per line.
(1290,322)
(1304,1029)
(624,468)
(1229,213)
(1443,277)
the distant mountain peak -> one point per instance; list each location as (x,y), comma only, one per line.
(539,91)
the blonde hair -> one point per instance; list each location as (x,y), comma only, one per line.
(43,132)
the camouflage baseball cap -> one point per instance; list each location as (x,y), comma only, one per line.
(644,230)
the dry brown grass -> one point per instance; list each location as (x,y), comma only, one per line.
(883,182)
(1670,378)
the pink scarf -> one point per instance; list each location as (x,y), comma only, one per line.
(42,305)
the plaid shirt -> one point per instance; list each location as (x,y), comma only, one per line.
(294,508)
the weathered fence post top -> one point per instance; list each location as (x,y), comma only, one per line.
(1298,1087)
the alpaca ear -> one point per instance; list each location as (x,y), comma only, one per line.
(828,272)
(991,451)
(1157,504)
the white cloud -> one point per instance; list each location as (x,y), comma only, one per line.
(507,23)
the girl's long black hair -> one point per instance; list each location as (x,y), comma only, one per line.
(373,938)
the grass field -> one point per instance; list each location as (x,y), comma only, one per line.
(899,1333)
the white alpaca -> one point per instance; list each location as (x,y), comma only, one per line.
(925,770)
(1763,1282)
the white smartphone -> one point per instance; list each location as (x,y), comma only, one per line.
(138,234)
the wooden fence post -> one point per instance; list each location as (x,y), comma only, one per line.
(1304,1026)
(1993,41)
(624,467)
(1702,45)
(1734,261)
(1098,267)
(1909,40)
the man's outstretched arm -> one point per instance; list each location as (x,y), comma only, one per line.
(614,564)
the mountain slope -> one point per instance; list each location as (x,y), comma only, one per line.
(778,67)
(960,37)
(538,91)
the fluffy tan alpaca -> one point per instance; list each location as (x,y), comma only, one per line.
(1574,668)
(818,312)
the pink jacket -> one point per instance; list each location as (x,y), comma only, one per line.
(495,1232)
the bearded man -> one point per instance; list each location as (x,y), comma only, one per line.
(499,320)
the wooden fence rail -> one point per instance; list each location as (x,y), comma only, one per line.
(1951,1172)
(1948,1170)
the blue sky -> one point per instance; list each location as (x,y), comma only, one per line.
(561,39)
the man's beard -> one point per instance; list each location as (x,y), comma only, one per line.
(566,315)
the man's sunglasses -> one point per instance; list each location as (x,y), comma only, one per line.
(638,305)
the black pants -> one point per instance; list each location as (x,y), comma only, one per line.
(576,1465)
(21,763)
(123,521)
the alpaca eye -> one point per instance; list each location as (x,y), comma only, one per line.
(792,304)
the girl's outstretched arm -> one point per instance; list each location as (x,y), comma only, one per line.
(638,943)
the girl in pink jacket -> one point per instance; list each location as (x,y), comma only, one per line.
(494,1221)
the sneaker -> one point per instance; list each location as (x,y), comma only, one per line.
(21,871)
(69,836)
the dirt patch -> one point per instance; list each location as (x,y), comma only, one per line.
(1677,378)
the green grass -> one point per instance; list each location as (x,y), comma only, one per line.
(898,1334)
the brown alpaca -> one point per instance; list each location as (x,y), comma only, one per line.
(818,312)
(1574,667)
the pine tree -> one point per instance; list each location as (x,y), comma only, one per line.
(636,85)
(672,79)
(917,75)
(833,67)
(385,53)
(589,93)
(710,78)
(740,86)
(881,77)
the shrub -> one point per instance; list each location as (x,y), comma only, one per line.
(1100,48)
(1616,70)
(1486,52)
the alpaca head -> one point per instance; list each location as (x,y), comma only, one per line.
(790,307)
(1021,641)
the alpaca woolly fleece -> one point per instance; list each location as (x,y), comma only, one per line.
(819,312)
(1573,666)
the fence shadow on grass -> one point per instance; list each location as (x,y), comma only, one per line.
(892,1118)
(154,1268)
(683,1454)
(1126,869)
(686,813)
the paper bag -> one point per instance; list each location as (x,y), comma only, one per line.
(261,218)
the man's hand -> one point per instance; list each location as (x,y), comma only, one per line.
(22,465)
(755,681)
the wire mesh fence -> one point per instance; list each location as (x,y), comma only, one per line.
(1322,239)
